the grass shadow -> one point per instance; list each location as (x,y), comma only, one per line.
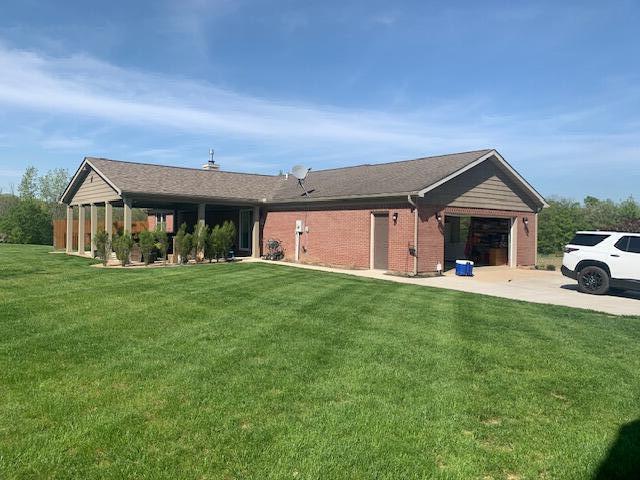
(623,458)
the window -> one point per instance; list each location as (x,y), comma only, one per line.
(161,221)
(629,244)
(634,245)
(588,239)
(245,229)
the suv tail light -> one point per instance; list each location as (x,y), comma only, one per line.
(570,249)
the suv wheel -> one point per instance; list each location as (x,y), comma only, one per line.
(593,280)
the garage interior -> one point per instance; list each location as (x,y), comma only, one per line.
(485,241)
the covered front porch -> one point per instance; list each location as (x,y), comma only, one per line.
(168,214)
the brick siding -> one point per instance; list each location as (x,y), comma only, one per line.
(342,236)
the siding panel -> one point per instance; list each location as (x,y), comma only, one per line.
(484,186)
(93,190)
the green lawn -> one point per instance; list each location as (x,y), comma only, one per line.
(262,371)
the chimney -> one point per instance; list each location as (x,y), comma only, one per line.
(211,164)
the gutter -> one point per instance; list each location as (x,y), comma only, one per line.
(415,234)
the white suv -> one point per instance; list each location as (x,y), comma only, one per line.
(603,260)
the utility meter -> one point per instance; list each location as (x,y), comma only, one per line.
(299,226)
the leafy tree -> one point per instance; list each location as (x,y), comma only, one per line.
(162,243)
(27,221)
(122,245)
(146,240)
(103,246)
(629,210)
(28,187)
(200,235)
(558,223)
(51,185)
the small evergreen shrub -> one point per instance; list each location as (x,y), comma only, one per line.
(122,245)
(162,243)
(228,237)
(200,236)
(103,246)
(147,241)
(184,243)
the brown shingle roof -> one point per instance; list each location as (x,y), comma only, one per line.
(401,177)
(394,178)
(141,178)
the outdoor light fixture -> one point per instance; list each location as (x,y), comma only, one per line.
(438,216)
(395,217)
(525,220)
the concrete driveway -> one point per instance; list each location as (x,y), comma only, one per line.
(519,284)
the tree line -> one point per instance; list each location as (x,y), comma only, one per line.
(558,223)
(27,217)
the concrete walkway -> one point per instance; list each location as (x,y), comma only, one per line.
(517,284)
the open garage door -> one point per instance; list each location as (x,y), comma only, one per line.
(483,240)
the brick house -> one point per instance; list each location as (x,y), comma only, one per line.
(410,216)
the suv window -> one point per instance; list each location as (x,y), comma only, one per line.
(622,243)
(634,245)
(588,239)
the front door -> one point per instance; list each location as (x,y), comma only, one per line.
(245,230)
(381,241)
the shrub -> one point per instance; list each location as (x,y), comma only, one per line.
(551,267)
(200,236)
(147,241)
(210,250)
(184,243)
(103,246)
(228,237)
(162,243)
(122,245)
(215,241)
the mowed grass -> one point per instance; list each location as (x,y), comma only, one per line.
(261,372)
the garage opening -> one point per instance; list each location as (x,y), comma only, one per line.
(485,241)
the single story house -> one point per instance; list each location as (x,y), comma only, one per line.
(410,216)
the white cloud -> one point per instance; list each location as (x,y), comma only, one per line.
(83,87)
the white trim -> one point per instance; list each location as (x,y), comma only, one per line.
(486,156)
(513,243)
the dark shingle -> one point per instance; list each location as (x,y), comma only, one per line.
(141,178)
(384,178)
(393,178)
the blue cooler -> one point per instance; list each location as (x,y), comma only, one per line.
(464,268)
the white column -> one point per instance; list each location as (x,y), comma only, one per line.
(201,213)
(94,227)
(127,215)
(81,218)
(69,240)
(108,219)
(255,233)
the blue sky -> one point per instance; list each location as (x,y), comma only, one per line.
(554,86)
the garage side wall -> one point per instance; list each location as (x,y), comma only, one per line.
(341,237)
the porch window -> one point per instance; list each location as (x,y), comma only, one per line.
(245,230)
(161,221)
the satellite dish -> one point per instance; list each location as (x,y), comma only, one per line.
(300,172)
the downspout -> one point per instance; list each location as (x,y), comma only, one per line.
(415,234)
